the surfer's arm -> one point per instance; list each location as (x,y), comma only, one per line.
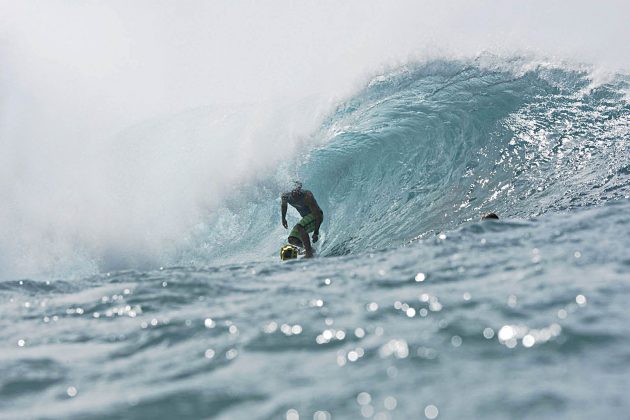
(315,210)
(283,208)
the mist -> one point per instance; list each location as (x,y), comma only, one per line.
(123,124)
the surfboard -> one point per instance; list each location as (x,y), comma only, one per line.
(290,252)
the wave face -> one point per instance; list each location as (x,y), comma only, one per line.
(428,147)
(524,317)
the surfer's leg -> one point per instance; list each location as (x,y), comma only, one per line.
(295,238)
(306,241)
(299,234)
(295,241)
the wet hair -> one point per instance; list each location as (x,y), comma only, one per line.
(297,185)
(490,216)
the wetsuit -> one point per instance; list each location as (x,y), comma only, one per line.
(308,221)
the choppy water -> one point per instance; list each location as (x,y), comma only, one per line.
(414,308)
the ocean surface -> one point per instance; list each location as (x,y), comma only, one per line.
(413,308)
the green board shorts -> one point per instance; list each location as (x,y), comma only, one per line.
(307,222)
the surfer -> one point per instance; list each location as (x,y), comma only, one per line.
(312,216)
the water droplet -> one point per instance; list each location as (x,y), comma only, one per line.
(322,415)
(367,411)
(392,371)
(456,341)
(390,403)
(512,300)
(292,414)
(506,332)
(555,329)
(488,333)
(341,360)
(431,411)
(372,307)
(528,341)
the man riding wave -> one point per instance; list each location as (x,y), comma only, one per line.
(312,216)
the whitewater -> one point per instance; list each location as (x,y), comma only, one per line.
(139,269)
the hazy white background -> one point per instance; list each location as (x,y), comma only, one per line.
(76,194)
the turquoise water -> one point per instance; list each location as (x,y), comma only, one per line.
(413,308)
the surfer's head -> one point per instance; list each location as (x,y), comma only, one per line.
(490,216)
(297,186)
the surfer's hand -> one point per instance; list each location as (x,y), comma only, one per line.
(285,224)
(315,237)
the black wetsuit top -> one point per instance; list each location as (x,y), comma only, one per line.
(298,200)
